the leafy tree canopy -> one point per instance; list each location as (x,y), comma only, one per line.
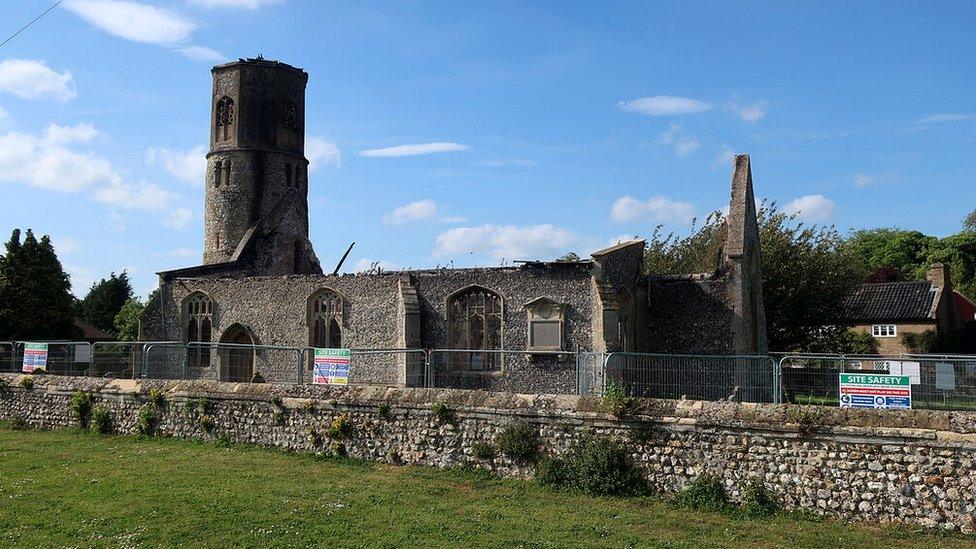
(807,273)
(127,320)
(105,299)
(35,292)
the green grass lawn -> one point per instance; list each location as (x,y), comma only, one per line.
(68,488)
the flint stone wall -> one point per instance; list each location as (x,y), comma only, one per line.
(910,466)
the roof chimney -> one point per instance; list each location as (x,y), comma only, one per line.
(938,275)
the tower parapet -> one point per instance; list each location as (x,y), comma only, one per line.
(256,206)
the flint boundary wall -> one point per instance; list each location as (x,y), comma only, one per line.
(881,467)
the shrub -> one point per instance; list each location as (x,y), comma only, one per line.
(394,458)
(383,410)
(597,465)
(553,471)
(483,450)
(442,412)
(519,442)
(27,383)
(338,449)
(309,406)
(223,441)
(615,400)
(203,404)
(3,385)
(81,405)
(147,420)
(191,405)
(758,500)
(341,427)
(277,402)
(100,421)
(206,423)
(18,424)
(705,493)
(156,397)
(602,466)
(314,438)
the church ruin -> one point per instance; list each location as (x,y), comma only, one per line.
(260,282)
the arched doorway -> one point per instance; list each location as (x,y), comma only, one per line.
(236,363)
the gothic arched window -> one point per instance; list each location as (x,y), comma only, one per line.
(325,319)
(224,117)
(290,119)
(474,320)
(198,322)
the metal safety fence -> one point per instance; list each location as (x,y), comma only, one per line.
(66,358)
(942,382)
(8,361)
(502,370)
(697,377)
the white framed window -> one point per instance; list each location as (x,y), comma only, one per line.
(884,330)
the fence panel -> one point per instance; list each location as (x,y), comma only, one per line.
(590,371)
(64,358)
(119,359)
(696,377)
(8,356)
(391,367)
(502,370)
(943,382)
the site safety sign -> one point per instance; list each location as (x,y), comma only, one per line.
(35,357)
(875,391)
(331,366)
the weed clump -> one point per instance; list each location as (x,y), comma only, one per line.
(156,397)
(597,466)
(758,501)
(442,412)
(383,410)
(101,422)
(147,420)
(341,427)
(81,405)
(705,493)
(484,451)
(27,383)
(206,423)
(615,401)
(520,442)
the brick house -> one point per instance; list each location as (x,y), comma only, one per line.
(889,310)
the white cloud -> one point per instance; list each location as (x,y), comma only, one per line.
(506,241)
(415,149)
(46,161)
(415,211)
(65,135)
(189,166)
(811,207)
(947,117)
(246,4)
(201,53)
(664,105)
(862,180)
(134,21)
(681,141)
(365,265)
(321,152)
(750,113)
(723,157)
(65,245)
(35,80)
(657,209)
(178,218)
(81,279)
(3,115)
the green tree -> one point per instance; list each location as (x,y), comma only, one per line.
(969,223)
(906,251)
(807,274)
(105,299)
(958,251)
(127,320)
(35,292)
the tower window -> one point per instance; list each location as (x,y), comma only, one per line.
(224,117)
(217,174)
(225,172)
(290,119)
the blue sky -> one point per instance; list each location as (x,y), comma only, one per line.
(450,133)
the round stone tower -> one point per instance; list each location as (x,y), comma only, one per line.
(257,173)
